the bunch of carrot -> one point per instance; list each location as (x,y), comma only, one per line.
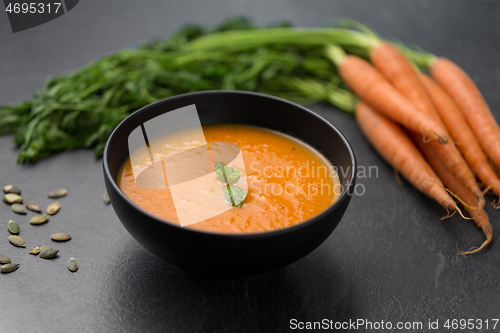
(436,130)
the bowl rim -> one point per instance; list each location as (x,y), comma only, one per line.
(261,234)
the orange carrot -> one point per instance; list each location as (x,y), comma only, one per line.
(396,148)
(396,68)
(399,71)
(471,103)
(374,89)
(454,185)
(461,134)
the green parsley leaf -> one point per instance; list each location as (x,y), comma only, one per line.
(234,195)
(226,174)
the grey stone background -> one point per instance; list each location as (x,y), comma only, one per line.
(391,258)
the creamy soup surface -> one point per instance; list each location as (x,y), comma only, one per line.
(288,181)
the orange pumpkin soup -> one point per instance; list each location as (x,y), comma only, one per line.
(288,181)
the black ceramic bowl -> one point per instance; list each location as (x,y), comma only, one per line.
(232,255)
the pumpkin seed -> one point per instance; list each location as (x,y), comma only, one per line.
(11,189)
(73,264)
(53,208)
(13,227)
(17,241)
(58,193)
(4,260)
(60,237)
(33,207)
(105,198)
(35,251)
(18,208)
(40,248)
(39,219)
(9,268)
(48,253)
(12,198)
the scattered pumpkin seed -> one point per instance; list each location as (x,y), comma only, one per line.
(105,198)
(9,268)
(18,208)
(39,219)
(58,193)
(48,253)
(53,208)
(33,207)
(60,237)
(73,264)
(4,260)
(13,227)
(35,251)
(17,241)
(11,189)
(12,198)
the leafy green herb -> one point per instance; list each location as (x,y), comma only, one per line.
(226,174)
(234,195)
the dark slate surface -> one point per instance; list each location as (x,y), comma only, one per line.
(390,259)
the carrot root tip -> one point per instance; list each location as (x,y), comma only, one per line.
(463,216)
(486,189)
(473,250)
(496,204)
(398,178)
(448,215)
(425,140)
(480,205)
(441,139)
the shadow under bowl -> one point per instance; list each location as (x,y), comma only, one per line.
(230,256)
